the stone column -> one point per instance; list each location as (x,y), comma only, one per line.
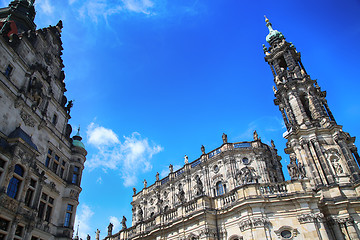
(319,176)
(327,169)
(350,162)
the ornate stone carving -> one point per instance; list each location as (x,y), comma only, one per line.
(253,222)
(27,119)
(207,232)
(310,217)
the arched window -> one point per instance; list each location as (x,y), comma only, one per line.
(15,182)
(220,188)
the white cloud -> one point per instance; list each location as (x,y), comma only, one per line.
(83,216)
(116,222)
(138,6)
(45,6)
(101,136)
(166,171)
(130,157)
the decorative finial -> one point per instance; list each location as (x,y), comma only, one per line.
(266,19)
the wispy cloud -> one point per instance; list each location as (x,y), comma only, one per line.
(131,156)
(83,217)
(139,6)
(45,6)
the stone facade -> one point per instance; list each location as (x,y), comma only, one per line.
(238,191)
(40,165)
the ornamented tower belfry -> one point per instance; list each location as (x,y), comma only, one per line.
(317,146)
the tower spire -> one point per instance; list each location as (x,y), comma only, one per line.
(316,143)
(274,35)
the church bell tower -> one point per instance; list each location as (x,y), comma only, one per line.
(318,148)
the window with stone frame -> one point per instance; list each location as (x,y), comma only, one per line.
(68,215)
(19,232)
(56,163)
(220,188)
(8,71)
(75,175)
(48,159)
(15,182)
(62,168)
(4,228)
(45,208)
(30,193)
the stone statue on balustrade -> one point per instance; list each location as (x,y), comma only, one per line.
(224,138)
(157,176)
(171,168)
(110,229)
(123,223)
(256,136)
(186,159)
(88,237)
(145,183)
(97,234)
(202,149)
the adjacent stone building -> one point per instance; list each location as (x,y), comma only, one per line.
(238,191)
(40,165)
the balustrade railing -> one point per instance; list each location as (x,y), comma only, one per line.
(270,189)
(197,162)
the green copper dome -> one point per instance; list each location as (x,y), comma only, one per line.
(77,140)
(273,34)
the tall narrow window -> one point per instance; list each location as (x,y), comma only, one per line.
(15,182)
(56,164)
(48,158)
(8,71)
(62,169)
(220,190)
(68,215)
(75,176)
(45,207)
(30,193)
(2,166)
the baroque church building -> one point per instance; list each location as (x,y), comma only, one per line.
(40,164)
(238,191)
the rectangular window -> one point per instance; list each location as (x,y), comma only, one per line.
(45,207)
(47,161)
(62,170)
(2,163)
(68,215)
(28,197)
(19,232)
(55,167)
(4,227)
(75,177)
(8,71)
(67,219)
(41,209)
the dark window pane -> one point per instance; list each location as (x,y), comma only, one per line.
(41,209)
(19,170)
(4,224)
(19,231)
(47,161)
(44,196)
(32,183)
(2,163)
(51,200)
(55,167)
(13,187)
(57,157)
(50,151)
(8,71)
(48,214)
(28,197)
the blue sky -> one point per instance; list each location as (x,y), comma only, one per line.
(153,80)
